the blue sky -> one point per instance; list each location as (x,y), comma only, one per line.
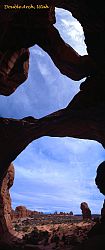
(53,173)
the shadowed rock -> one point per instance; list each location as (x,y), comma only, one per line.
(7,234)
(100,177)
(14,66)
(86,212)
(83,118)
(103,213)
(91,16)
(32,27)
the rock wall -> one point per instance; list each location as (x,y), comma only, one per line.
(100,177)
(13,70)
(103,213)
(5,203)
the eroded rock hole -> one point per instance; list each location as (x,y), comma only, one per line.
(57,129)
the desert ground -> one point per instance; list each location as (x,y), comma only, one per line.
(49,232)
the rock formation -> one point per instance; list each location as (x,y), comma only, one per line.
(13,70)
(91,16)
(103,213)
(86,212)
(5,202)
(100,177)
(19,26)
(23,212)
(6,228)
(84,117)
(8,236)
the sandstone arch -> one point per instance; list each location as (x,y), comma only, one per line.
(83,118)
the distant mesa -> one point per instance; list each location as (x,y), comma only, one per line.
(23,212)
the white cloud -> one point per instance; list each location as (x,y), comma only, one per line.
(37,51)
(55,175)
(71,30)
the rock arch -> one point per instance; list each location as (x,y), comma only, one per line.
(83,118)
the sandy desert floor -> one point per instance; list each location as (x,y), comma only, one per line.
(59,236)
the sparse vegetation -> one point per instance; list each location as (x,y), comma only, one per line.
(55,232)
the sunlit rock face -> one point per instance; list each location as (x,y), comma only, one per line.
(9,238)
(22,212)
(5,203)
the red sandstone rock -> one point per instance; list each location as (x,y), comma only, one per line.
(20,25)
(8,236)
(36,27)
(86,212)
(13,70)
(5,201)
(23,212)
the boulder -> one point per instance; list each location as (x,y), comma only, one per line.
(21,212)
(86,212)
